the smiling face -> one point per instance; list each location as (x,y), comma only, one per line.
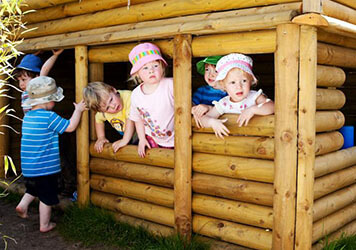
(210,75)
(237,84)
(112,103)
(151,73)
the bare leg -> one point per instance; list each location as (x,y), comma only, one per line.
(45,216)
(22,207)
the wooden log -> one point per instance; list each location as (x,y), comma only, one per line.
(76,8)
(286,108)
(138,209)
(310,19)
(329,99)
(328,142)
(247,146)
(312,6)
(35,4)
(81,81)
(235,211)
(4,132)
(248,191)
(335,161)
(96,73)
(330,76)
(139,191)
(339,27)
(328,121)
(336,39)
(182,72)
(306,136)
(338,11)
(349,3)
(234,167)
(334,221)
(157,156)
(251,237)
(336,56)
(334,181)
(131,171)
(333,202)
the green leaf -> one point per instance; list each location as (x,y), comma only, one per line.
(4,108)
(12,165)
(6,164)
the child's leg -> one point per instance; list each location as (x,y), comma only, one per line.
(22,207)
(45,216)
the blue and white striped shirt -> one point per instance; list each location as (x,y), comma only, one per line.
(39,142)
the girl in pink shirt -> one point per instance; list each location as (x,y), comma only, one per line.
(152,102)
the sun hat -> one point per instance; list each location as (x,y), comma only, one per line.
(41,90)
(30,62)
(209,60)
(234,60)
(142,54)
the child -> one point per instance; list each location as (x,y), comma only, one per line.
(236,77)
(152,102)
(31,67)
(113,106)
(205,95)
(40,161)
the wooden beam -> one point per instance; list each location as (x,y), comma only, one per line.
(286,109)
(340,27)
(311,6)
(328,142)
(338,11)
(336,39)
(328,76)
(311,19)
(35,4)
(329,99)
(81,81)
(182,75)
(306,136)
(5,137)
(350,3)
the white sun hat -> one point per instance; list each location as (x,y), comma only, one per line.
(234,60)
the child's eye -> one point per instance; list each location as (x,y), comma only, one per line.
(233,82)
(145,67)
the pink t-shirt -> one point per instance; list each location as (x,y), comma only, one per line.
(157,112)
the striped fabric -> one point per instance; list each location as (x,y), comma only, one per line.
(144,53)
(24,97)
(39,142)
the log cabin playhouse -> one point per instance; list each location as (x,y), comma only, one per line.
(283,181)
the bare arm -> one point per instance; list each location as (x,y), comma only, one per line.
(48,65)
(75,119)
(210,120)
(128,133)
(100,132)
(143,143)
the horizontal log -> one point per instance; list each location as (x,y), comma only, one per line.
(329,183)
(234,167)
(328,76)
(328,121)
(328,142)
(251,237)
(335,161)
(247,191)
(333,202)
(336,56)
(336,39)
(338,11)
(131,171)
(339,27)
(139,191)
(157,156)
(35,4)
(138,209)
(329,99)
(235,211)
(333,222)
(350,3)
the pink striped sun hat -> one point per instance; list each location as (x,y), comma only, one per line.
(234,60)
(142,54)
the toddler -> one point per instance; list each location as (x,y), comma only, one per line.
(40,160)
(236,77)
(113,106)
(152,102)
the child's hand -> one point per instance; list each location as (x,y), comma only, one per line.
(57,52)
(219,128)
(118,144)
(80,106)
(142,144)
(99,144)
(245,116)
(200,110)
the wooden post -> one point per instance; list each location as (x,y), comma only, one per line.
(286,107)
(312,6)
(306,137)
(96,73)
(81,80)
(4,138)
(182,69)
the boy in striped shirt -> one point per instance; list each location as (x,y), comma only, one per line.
(40,161)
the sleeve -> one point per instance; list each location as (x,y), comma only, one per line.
(197,96)
(219,107)
(99,117)
(256,95)
(57,123)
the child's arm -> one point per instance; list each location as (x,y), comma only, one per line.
(100,133)
(198,111)
(128,133)
(210,120)
(142,143)
(47,66)
(75,119)
(263,106)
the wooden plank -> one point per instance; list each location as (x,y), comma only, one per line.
(330,76)
(336,39)
(311,6)
(182,72)
(350,3)
(340,27)
(336,56)
(286,109)
(36,4)
(338,11)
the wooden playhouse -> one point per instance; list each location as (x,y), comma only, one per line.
(283,181)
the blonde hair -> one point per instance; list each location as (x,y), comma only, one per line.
(249,77)
(137,80)
(95,93)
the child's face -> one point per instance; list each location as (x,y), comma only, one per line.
(23,80)
(210,75)
(112,103)
(237,84)
(151,73)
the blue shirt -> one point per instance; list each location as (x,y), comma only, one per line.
(207,94)
(39,142)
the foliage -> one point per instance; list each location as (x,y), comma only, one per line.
(343,243)
(93,226)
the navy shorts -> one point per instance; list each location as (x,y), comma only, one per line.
(44,187)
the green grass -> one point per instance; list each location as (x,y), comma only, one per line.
(93,226)
(343,243)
